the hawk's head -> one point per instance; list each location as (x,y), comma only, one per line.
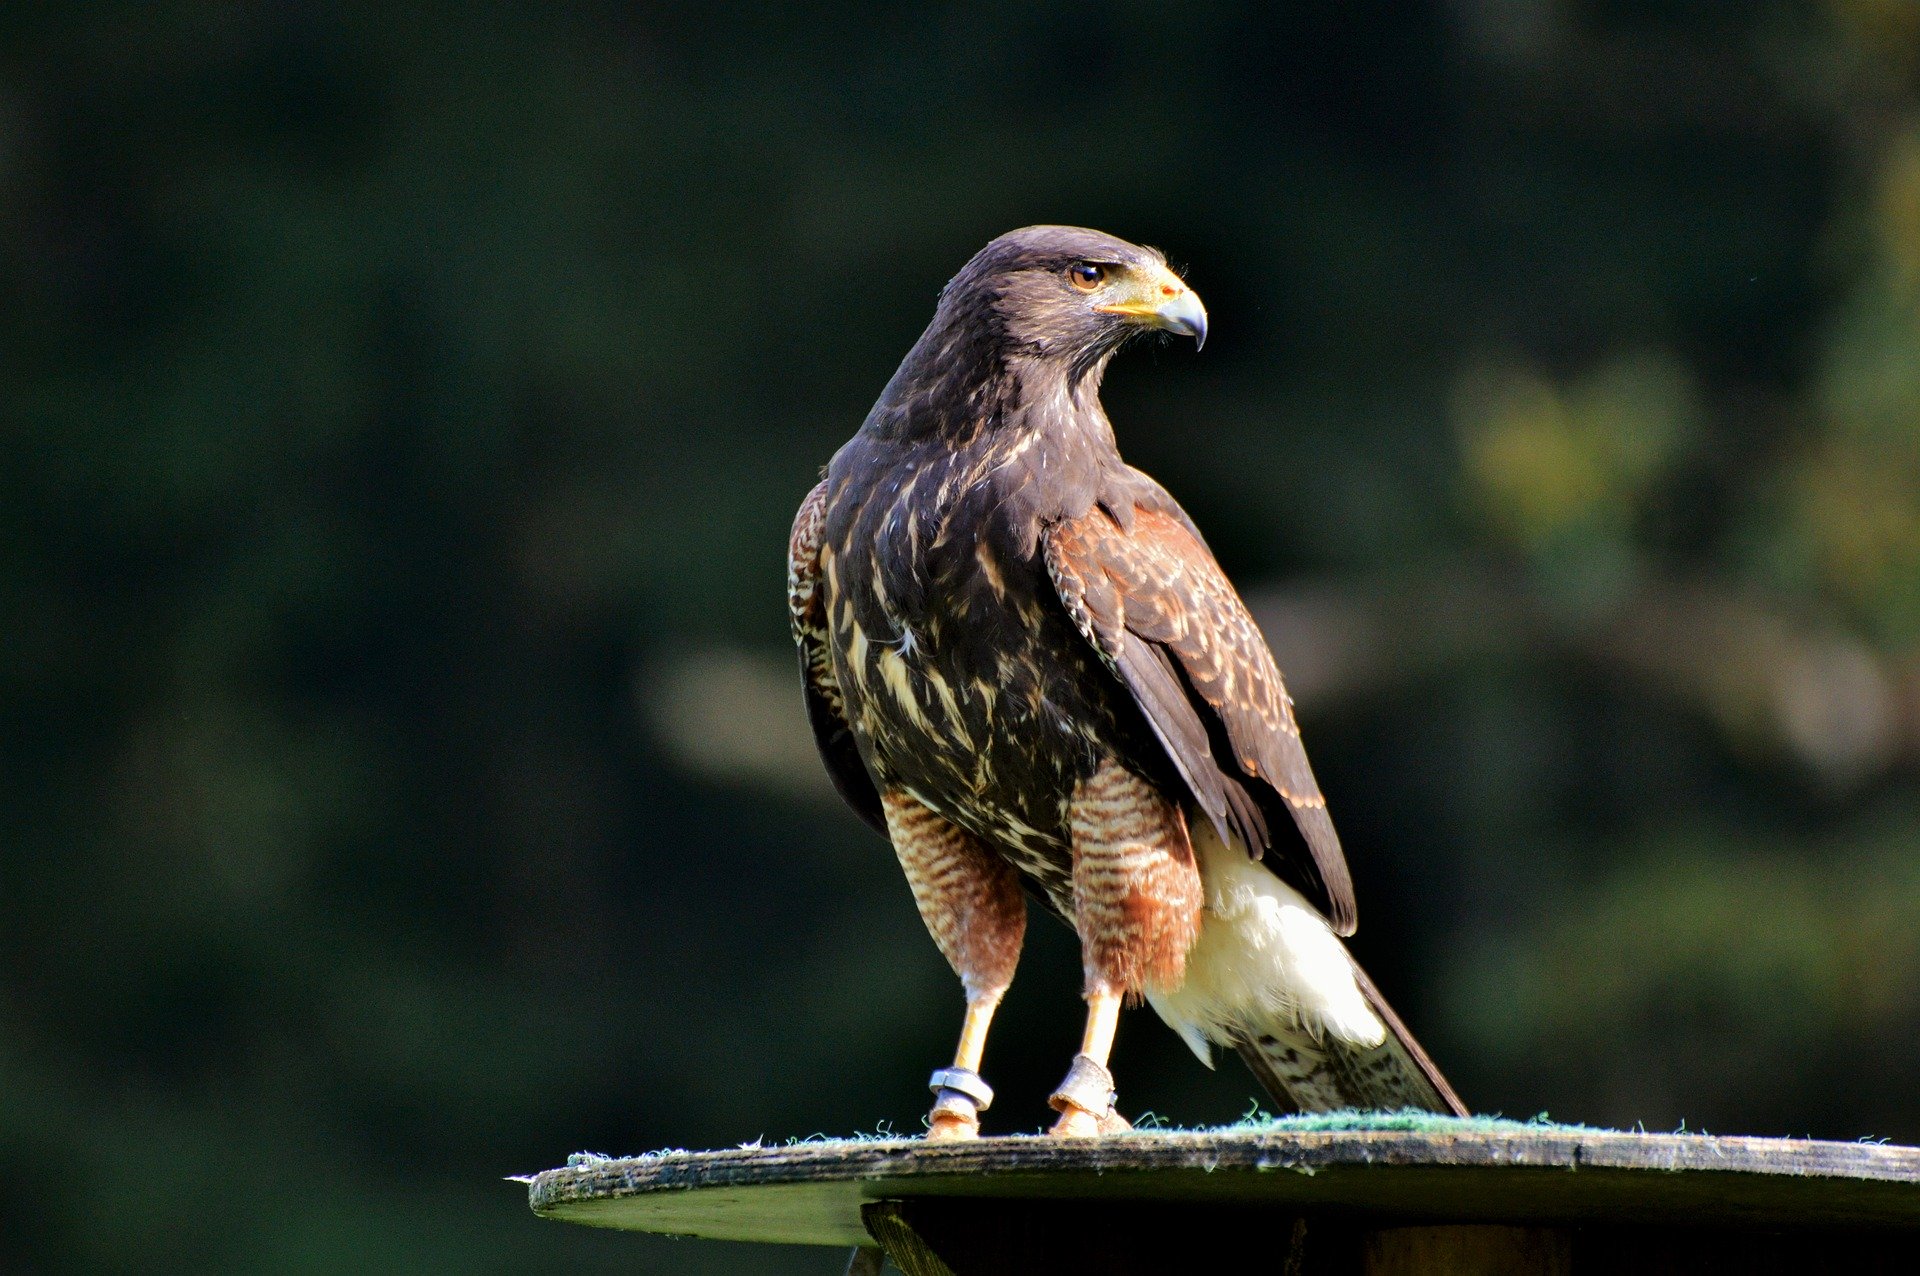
(1067,293)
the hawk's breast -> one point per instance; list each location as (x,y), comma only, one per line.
(964,682)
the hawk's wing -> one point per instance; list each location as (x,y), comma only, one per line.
(1161,613)
(807,607)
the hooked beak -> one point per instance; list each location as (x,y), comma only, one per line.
(1184,314)
(1166,303)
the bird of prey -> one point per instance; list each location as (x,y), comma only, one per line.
(1024,668)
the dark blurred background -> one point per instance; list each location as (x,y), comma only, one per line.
(404,776)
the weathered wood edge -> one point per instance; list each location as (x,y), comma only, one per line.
(812,1191)
(1210,1152)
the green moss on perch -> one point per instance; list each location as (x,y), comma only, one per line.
(1346,1179)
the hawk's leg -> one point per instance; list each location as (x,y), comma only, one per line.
(971,902)
(1136,903)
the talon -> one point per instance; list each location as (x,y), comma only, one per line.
(1075,1123)
(1078,1123)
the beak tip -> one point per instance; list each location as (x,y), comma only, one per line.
(1185,315)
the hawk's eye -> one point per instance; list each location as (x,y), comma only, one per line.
(1086,275)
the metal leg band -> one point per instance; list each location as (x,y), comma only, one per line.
(963,1085)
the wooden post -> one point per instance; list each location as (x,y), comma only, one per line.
(887,1221)
(1484,1250)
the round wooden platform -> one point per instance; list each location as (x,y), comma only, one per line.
(813,1193)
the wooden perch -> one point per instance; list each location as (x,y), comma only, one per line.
(1443,1196)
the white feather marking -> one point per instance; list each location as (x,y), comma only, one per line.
(1013,453)
(1264,957)
(956,721)
(857,653)
(893,671)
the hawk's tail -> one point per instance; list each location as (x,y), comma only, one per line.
(1267,976)
(1328,1073)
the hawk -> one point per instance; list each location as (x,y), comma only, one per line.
(1024,668)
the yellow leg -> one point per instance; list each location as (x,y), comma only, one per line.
(970,899)
(1085,1099)
(1103,1019)
(956,1112)
(1137,900)
(973,1032)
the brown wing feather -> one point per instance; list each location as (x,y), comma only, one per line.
(806,608)
(1155,604)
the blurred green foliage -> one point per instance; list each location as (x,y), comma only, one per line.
(401,783)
